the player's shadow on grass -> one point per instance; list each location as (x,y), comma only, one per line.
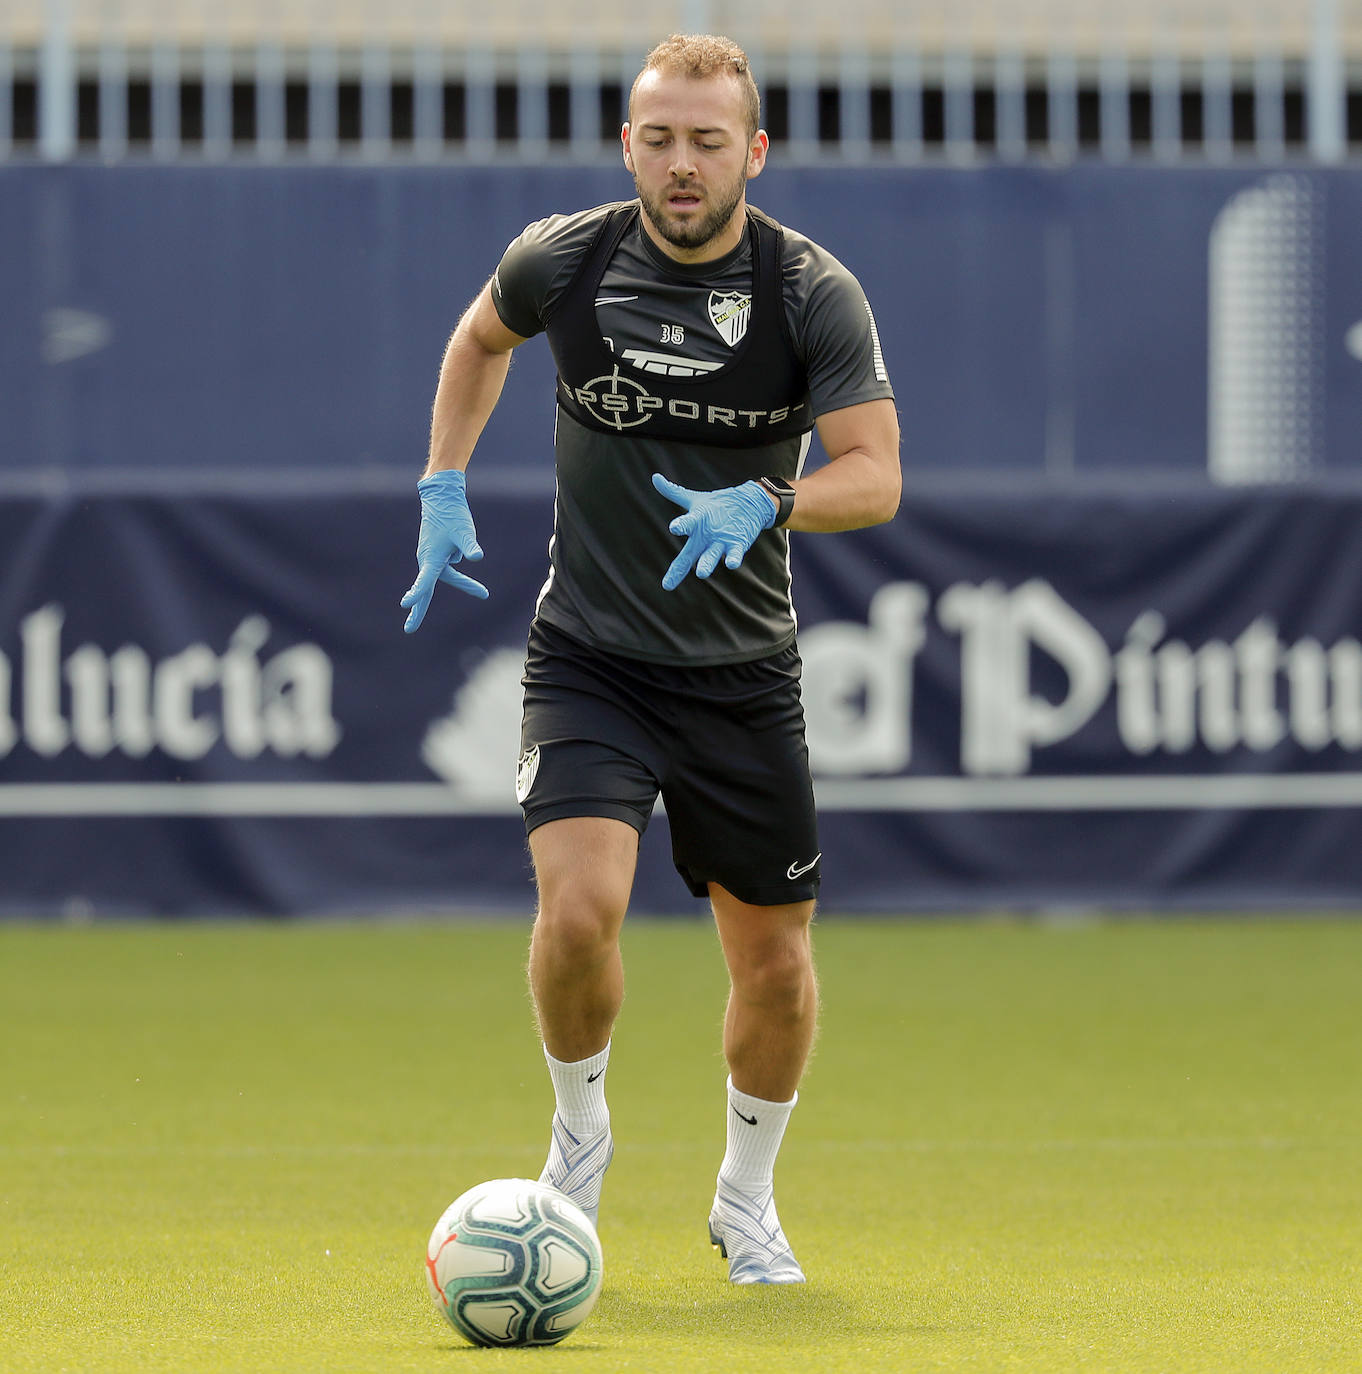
(780,1313)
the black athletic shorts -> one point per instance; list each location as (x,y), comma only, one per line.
(603,735)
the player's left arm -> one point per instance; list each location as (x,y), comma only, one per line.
(834,332)
(862,482)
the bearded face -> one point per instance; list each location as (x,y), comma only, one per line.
(691,155)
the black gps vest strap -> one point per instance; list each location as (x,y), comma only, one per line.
(759,396)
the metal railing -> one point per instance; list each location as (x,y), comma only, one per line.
(853,81)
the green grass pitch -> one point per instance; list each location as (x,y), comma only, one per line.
(1131,1145)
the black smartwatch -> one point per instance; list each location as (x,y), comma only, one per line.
(784,494)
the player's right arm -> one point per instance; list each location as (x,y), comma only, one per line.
(508,310)
(472,375)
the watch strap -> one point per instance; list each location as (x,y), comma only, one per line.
(784,496)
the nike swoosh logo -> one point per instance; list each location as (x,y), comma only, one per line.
(795,870)
(592,1077)
(614,300)
(751,1120)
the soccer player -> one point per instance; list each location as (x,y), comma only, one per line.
(697,344)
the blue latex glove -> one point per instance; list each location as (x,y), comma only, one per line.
(447,537)
(717,524)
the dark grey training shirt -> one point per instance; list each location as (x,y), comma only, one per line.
(663,319)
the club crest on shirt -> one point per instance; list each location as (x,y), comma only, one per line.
(729,313)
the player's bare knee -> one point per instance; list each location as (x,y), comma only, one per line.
(777,976)
(576,933)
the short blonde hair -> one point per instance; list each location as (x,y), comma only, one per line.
(701,56)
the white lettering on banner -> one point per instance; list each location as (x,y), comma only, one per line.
(45,731)
(133,728)
(296,697)
(243,726)
(858,684)
(1252,692)
(183,734)
(184,705)
(87,670)
(1345,709)
(1001,719)
(1225,695)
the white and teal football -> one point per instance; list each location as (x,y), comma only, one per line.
(514,1262)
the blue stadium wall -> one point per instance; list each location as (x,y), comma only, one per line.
(1077,670)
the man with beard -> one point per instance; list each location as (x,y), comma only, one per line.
(697,344)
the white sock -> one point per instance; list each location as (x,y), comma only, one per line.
(579,1092)
(755,1130)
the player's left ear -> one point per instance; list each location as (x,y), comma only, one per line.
(756,153)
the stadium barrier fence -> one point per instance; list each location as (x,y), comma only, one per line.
(872,79)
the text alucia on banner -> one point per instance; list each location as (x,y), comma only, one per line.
(183,704)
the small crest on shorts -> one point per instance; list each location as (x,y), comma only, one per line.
(525,772)
(729,312)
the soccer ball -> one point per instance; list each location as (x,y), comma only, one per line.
(514,1262)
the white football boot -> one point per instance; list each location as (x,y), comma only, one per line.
(747,1231)
(577,1167)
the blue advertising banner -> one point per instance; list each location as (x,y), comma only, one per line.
(1016,698)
